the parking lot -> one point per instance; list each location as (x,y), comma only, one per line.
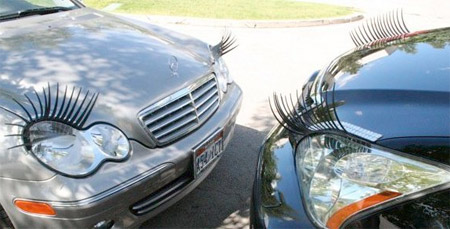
(267,61)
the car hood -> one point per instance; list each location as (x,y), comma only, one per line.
(398,91)
(130,64)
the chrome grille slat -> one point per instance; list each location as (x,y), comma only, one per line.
(171,119)
(207,113)
(182,112)
(203,99)
(200,91)
(183,130)
(207,106)
(166,112)
(186,120)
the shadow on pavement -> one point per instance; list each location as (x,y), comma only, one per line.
(223,199)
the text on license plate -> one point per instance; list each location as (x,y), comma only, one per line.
(209,151)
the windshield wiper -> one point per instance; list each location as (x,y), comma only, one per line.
(35,11)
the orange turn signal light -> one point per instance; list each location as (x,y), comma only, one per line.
(35,207)
(336,220)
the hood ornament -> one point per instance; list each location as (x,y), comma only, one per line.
(173,66)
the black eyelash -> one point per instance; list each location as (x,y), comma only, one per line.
(65,110)
(381,29)
(314,110)
(226,45)
(303,117)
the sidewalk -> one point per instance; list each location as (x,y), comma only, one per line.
(419,14)
(228,23)
(254,23)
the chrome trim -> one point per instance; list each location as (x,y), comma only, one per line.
(209,106)
(176,118)
(188,109)
(193,105)
(163,102)
(361,132)
(168,112)
(356,130)
(184,122)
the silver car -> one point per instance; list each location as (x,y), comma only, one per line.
(105,122)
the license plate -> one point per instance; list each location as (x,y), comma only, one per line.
(208,152)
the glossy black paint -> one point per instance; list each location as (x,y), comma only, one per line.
(276,200)
(432,148)
(400,90)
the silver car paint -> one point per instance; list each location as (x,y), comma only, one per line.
(128,64)
(109,193)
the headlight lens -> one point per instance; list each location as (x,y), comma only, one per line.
(340,177)
(223,75)
(111,141)
(75,152)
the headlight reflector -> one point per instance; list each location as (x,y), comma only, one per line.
(76,152)
(223,74)
(110,140)
(340,177)
(368,169)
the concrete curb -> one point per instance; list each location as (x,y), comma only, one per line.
(251,23)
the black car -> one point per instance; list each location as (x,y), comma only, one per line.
(367,142)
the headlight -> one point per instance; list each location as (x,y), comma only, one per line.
(340,177)
(223,75)
(76,152)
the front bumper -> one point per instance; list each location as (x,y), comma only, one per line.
(153,178)
(276,200)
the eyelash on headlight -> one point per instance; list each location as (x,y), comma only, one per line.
(308,113)
(305,114)
(66,109)
(384,28)
(226,45)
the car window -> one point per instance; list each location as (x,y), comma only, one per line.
(9,7)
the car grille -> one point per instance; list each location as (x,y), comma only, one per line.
(181,112)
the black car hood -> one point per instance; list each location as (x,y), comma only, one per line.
(397,90)
(400,91)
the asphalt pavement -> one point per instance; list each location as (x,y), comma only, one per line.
(268,61)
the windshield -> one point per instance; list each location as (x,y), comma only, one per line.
(15,7)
